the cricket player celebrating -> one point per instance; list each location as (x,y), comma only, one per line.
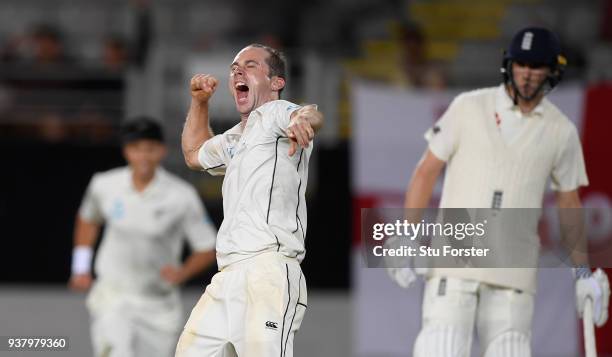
(255,304)
(500,146)
(147,212)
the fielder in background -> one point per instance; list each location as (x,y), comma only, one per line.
(255,304)
(147,212)
(500,145)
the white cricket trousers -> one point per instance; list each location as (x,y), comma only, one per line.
(125,324)
(252,308)
(451,309)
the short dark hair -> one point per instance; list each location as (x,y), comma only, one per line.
(276,61)
(141,128)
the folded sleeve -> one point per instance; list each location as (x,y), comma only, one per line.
(443,136)
(216,153)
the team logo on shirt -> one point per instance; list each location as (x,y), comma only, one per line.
(118,209)
(271,325)
(232,143)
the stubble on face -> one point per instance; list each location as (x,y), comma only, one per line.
(529,80)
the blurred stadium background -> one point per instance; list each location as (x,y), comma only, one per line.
(381,71)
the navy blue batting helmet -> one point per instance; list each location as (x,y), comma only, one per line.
(535,46)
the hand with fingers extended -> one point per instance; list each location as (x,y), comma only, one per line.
(304,122)
(203,86)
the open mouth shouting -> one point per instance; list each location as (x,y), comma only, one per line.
(242,92)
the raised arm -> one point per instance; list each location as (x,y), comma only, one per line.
(197,127)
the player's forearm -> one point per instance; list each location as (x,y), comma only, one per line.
(85,233)
(419,191)
(573,227)
(85,236)
(423,181)
(417,197)
(195,132)
(316,120)
(311,114)
(196,263)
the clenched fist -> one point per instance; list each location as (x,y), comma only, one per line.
(172,275)
(80,282)
(202,87)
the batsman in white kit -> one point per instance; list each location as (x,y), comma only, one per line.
(147,213)
(255,304)
(500,146)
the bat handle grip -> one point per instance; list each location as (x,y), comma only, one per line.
(590,350)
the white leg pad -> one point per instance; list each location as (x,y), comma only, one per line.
(443,341)
(509,344)
(449,309)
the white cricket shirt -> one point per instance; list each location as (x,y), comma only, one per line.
(144,231)
(264,188)
(484,170)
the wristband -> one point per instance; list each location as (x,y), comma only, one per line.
(582,272)
(81,259)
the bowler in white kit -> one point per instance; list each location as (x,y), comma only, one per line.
(255,304)
(500,147)
(147,213)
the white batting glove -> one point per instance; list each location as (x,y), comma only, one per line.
(404,277)
(597,288)
(401,269)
